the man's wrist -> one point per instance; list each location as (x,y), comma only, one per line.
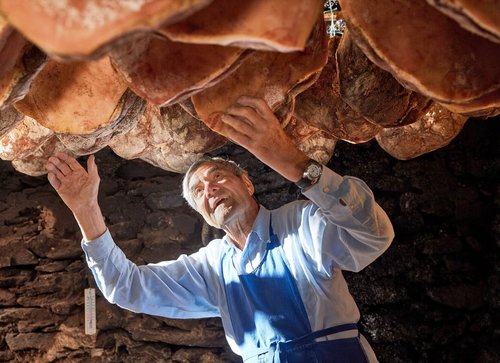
(310,175)
(90,220)
(85,209)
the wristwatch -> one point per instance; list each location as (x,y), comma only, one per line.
(311,174)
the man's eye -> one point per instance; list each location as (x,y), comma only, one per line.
(217,176)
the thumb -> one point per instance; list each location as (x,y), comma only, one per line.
(92,167)
(54,181)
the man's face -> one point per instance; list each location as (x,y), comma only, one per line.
(220,196)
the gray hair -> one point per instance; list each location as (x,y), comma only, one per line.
(226,163)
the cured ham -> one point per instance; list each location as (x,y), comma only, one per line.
(322,107)
(132,107)
(435,57)
(34,164)
(9,118)
(24,139)
(268,75)
(276,25)
(80,28)
(165,72)
(169,138)
(314,142)
(79,98)
(20,62)
(371,91)
(480,17)
(434,129)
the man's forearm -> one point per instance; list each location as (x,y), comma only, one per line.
(91,221)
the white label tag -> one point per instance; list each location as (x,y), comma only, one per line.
(90,314)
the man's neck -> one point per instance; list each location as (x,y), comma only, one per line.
(239,230)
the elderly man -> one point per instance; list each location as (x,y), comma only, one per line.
(275,277)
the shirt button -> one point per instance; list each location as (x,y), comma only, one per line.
(341,201)
(326,189)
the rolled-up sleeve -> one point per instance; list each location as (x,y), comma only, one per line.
(347,229)
(182,288)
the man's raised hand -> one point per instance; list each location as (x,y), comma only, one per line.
(251,123)
(77,187)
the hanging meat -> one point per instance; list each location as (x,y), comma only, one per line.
(314,142)
(480,17)
(20,62)
(435,128)
(23,139)
(269,75)
(322,107)
(81,98)
(9,118)
(130,107)
(78,29)
(435,57)
(165,72)
(34,164)
(168,138)
(276,25)
(371,91)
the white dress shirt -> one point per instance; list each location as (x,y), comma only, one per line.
(341,227)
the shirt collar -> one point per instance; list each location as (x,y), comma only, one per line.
(260,226)
(256,244)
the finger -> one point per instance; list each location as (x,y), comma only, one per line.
(72,163)
(55,170)
(258,104)
(60,164)
(236,124)
(216,123)
(237,137)
(247,114)
(92,167)
(54,181)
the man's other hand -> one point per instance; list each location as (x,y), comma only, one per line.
(77,187)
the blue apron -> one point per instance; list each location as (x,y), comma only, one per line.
(269,319)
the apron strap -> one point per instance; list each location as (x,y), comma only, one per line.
(275,351)
(320,333)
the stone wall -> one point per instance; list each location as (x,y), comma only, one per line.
(433,297)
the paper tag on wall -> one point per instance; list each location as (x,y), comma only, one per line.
(90,312)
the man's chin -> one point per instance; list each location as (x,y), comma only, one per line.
(222,214)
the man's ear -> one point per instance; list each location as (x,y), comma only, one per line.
(248,184)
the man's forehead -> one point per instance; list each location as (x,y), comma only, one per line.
(204,170)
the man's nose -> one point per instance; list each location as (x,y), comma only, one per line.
(210,188)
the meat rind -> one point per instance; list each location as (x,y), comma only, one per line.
(435,57)
(80,28)
(322,107)
(9,118)
(131,108)
(275,25)
(163,157)
(434,129)
(166,72)
(23,139)
(268,75)
(20,62)
(314,142)
(168,138)
(368,89)
(75,98)
(34,164)
(480,17)
(191,134)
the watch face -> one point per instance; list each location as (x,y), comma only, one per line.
(313,171)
